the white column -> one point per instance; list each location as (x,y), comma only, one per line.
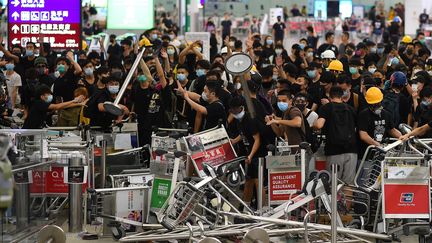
(413,9)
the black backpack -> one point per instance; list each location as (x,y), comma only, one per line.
(391,104)
(341,130)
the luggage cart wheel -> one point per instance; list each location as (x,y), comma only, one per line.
(355,224)
(118,232)
(324,176)
(313,175)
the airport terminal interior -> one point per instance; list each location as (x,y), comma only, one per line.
(215,121)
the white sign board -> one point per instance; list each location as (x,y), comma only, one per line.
(274,13)
(201,36)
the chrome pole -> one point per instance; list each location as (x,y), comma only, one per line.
(75,200)
(334,213)
(113,107)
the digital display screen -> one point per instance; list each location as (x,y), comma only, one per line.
(130,14)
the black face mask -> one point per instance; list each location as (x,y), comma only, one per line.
(409,51)
(349,52)
(301,107)
(165,44)
(258,53)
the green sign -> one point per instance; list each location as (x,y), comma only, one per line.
(160,192)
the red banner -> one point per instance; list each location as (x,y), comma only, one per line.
(282,184)
(406,199)
(51,182)
(215,156)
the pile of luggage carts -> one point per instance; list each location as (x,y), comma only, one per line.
(192,191)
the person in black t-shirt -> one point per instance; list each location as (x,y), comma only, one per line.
(329,45)
(279,30)
(114,50)
(374,123)
(423,112)
(67,78)
(22,62)
(214,110)
(349,97)
(254,142)
(423,18)
(345,156)
(226,26)
(42,104)
(102,117)
(150,103)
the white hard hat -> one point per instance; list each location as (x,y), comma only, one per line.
(328,54)
(224,50)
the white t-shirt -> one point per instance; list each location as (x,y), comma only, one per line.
(13,80)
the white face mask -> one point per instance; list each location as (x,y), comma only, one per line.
(204,96)
(56,74)
(237,86)
(239,116)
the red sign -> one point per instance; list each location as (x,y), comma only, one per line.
(64,41)
(215,156)
(282,184)
(51,182)
(406,199)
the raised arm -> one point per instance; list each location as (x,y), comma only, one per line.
(76,66)
(7,52)
(160,72)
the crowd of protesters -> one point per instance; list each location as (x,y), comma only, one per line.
(354,94)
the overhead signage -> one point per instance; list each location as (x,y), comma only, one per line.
(56,22)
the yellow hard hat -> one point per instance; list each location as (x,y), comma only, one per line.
(336,65)
(407,39)
(145,42)
(374,95)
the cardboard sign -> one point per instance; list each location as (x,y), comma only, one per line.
(59,22)
(282,184)
(160,192)
(405,201)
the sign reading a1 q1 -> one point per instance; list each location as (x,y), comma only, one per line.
(57,22)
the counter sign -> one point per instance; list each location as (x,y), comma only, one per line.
(57,22)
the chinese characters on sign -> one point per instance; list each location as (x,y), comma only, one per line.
(57,22)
